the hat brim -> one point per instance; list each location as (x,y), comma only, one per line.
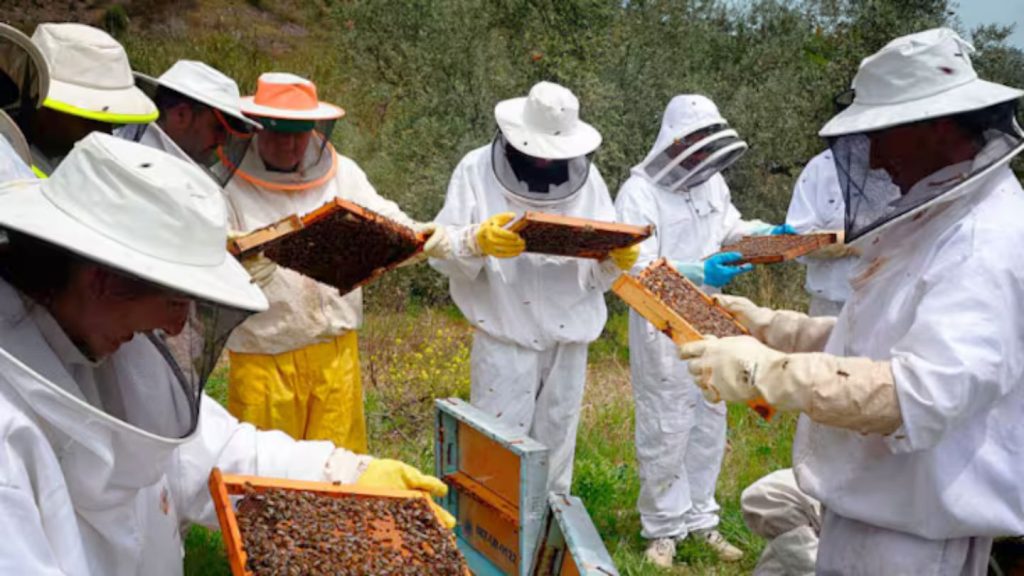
(149,84)
(122,106)
(29,211)
(323,111)
(974,95)
(583,139)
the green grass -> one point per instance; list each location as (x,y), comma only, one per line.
(413,357)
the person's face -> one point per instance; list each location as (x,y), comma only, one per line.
(911,152)
(102,310)
(282,150)
(55,133)
(198,131)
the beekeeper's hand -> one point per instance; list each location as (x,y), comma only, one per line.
(384,473)
(438,244)
(492,239)
(783,330)
(625,258)
(839,249)
(259,267)
(854,393)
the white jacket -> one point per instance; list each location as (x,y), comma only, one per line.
(942,297)
(533,300)
(85,492)
(818,205)
(302,311)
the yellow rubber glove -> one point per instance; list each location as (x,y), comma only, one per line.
(624,258)
(384,473)
(854,393)
(493,239)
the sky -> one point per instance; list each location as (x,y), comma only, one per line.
(1005,12)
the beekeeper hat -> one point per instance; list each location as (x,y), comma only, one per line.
(287,97)
(202,83)
(90,75)
(917,77)
(546,124)
(139,210)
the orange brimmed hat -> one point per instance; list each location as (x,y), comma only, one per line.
(284,96)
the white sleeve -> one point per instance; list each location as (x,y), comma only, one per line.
(459,215)
(734,225)
(602,273)
(634,205)
(239,448)
(356,187)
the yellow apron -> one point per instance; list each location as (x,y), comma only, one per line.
(313,393)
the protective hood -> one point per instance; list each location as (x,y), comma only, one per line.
(537,181)
(913,80)
(694,144)
(318,166)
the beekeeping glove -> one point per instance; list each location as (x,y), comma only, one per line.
(384,473)
(783,330)
(626,257)
(490,238)
(259,267)
(839,249)
(438,244)
(854,393)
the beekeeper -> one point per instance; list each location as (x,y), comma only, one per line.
(24,81)
(199,111)
(295,367)
(817,206)
(680,439)
(910,429)
(91,90)
(534,314)
(107,437)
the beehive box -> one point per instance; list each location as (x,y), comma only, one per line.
(678,308)
(340,244)
(497,478)
(570,544)
(287,526)
(579,237)
(775,249)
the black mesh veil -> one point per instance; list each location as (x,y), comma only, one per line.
(874,200)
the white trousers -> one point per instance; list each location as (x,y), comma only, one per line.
(852,548)
(680,438)
(777,510)
(539,392)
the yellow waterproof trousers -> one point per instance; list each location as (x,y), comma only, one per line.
(313,393)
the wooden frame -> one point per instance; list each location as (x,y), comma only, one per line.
(266,238)
(223,486)
(814,241)
(667,321)
(570,544)
(632,234)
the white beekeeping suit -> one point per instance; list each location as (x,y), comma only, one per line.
(910,428)
(534,314)
(106,440)
(680,437)
(817,205)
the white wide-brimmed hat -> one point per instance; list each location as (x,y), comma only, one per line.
(288,97)
(917,77)
(546,124)
(202,83)
(90,75)
(139,210)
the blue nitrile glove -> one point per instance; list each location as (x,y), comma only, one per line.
(782,229)
(694,271)
(717,269)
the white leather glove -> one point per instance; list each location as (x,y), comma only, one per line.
(783,330)
(834,251)
(344,467)
(438,244)
(259,267)
(854,393)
